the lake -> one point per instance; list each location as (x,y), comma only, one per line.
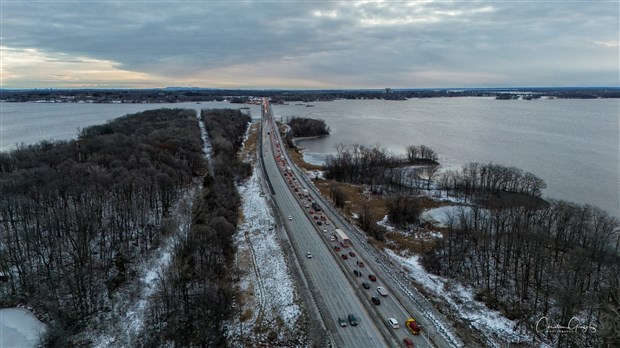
(572,144)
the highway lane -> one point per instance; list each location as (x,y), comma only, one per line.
(391,305)
(323,271)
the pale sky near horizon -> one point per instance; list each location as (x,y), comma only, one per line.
(309,44)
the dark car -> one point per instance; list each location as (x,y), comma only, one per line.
(344,256)
(357,273)
(337,248)
(319,223)
(342,322)
(352,254)
(372,277)
(366,285)
(408,342)
(375,300)
(352,320)
(360,263)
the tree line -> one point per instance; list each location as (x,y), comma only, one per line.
(380,169)
(194,297)
(559,261)
(76,215)
(307,127)
(479,179)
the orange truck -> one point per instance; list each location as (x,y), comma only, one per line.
(413,326)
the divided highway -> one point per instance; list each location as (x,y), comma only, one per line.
(343,281)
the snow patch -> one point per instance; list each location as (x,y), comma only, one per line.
(20,328)
(461,300)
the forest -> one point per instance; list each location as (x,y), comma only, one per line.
(74,215)
(77,217)
(194,297)
(308,127)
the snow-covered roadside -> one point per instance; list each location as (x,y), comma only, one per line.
(268,307)
(496,327)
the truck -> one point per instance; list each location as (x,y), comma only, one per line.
(412,325)
(342,237)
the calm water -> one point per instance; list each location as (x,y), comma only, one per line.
(572,144)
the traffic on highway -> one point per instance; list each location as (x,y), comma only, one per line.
(342,271)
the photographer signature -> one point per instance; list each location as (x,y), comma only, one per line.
(574,326)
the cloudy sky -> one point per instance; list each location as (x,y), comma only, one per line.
(309,44)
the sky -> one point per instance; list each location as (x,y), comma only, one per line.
(309,44)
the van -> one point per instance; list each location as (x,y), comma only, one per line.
(393,323)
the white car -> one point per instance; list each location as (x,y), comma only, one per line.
(309,255)
(290,217)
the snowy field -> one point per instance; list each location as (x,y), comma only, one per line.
(19,328)
(268,308)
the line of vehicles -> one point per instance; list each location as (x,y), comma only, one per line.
(340,239)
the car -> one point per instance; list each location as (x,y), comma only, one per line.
(352,320)
(325,230)
(360,264)
(352,254)
(366,285)
(290,217)
(337,248)
(309,199)
(315,217)
(381,291)
(327,222)
(309,255)
(342,322)
(375,300)
(372,277)
(357,273)
(311,212)
(393,323)
(344,256)
(332,239)
(295,189)
(318,222)
(306,205)
(408,342)
(322,217)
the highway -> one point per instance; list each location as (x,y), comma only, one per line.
(329,284)
(338,291)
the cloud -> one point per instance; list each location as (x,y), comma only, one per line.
(608,43)
(312,44)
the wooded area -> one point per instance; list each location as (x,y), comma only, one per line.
(75,215)
(308,127)
(194,297)
(376,167)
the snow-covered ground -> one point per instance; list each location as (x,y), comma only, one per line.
(498,329)
(19,328)
(440,216)
(268,308)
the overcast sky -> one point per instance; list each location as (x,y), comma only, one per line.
(310,44)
